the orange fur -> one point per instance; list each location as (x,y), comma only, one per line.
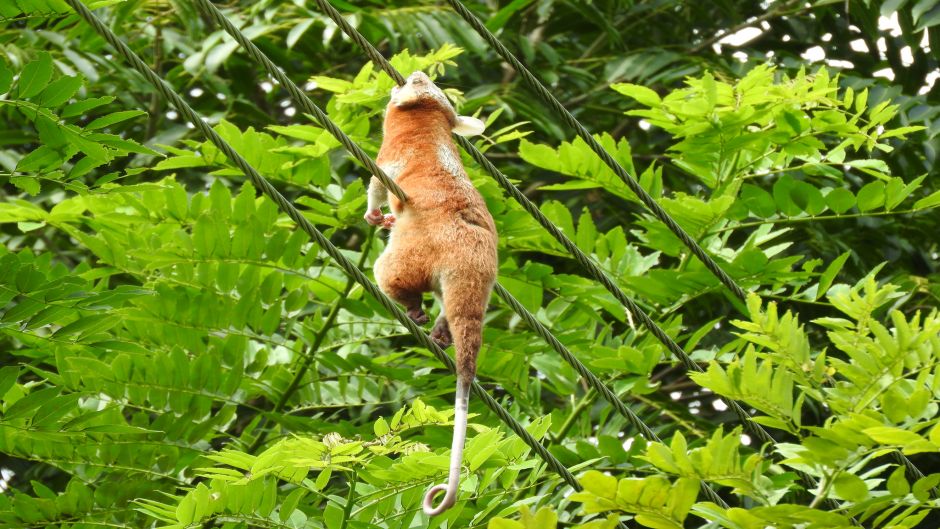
(443,240)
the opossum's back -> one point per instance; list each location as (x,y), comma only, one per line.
(458,237)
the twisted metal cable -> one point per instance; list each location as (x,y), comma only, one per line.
(582,259)
(594,382)
(743,417)
(657,210)
(306,104)
(586,262)
(299,97)
(583,133)
(261,183)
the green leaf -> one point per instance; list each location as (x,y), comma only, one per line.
(861,101)
(896,191)
(897,482)
(571,185)
(8,376)
(930,201)
(497,21)
(114,117)
(290,503)
(850,487)
(35,76)
(6,78)
(295,34)
(87,325)
(825,279)
(840,200)
(30,402)
(922,487)
(269,498)
(890,435)
(758,201)
(28,184)
(599,484)
(871,196)
(807,198)
(179,162)
(308,133)
(79,107)
(538,155)
(641,94)
(901,132)
(878,165)
(783,196)
(380,427)
(59,91)
(586,232)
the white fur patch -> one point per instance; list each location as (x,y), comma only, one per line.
(377,194)
(449,160)
(402,95)
(392,169)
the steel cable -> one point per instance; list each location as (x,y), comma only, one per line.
(350,268)
(569,245)
(306,104)
(634,186)
(583,133)
(743,417)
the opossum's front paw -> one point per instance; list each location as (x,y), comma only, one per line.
(374,217)
(388,221)
(417,315)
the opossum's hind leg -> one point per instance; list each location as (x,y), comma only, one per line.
(403,283)
(411,300)
(440,333)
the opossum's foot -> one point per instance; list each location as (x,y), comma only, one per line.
(374,217)
(388,221)
(441,334)
(418,315)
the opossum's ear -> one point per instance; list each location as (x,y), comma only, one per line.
(467,126)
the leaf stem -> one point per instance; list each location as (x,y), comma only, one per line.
(586,401)
(347,509)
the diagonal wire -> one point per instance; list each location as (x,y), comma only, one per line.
(306,104)
(261,183)
(596,383)
(583,133)
(546,96)
(743,417)
(533,210)
(313,349)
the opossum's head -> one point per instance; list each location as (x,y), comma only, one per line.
(420,93)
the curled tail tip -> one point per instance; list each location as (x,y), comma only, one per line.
(446,503)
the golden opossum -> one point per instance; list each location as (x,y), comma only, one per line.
(443,240)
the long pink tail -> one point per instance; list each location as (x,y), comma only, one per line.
(456,453)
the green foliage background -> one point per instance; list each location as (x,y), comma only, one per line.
(168,353)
